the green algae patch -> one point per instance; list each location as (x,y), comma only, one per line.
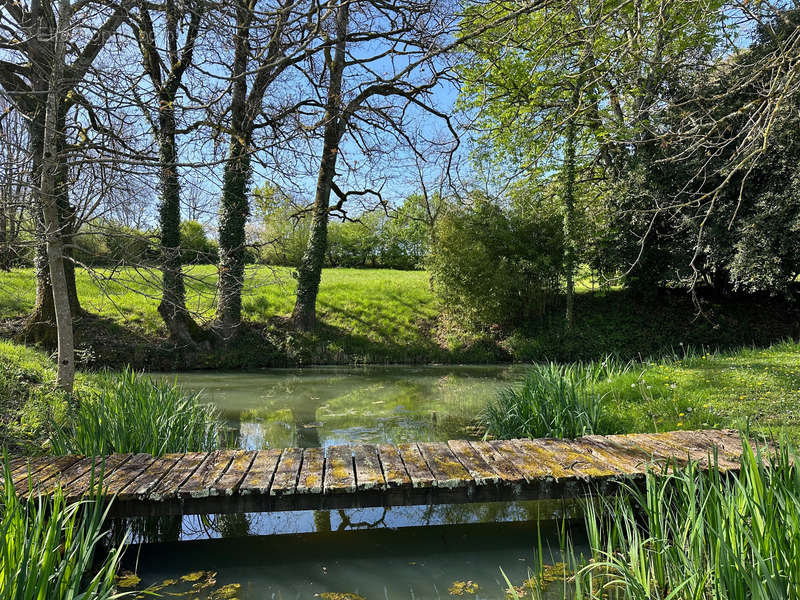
(226,592)
(192,577)
(339,596)
(461,588)
(127,580)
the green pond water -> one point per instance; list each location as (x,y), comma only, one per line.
(415,552)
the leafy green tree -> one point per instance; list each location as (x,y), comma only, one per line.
(196,247)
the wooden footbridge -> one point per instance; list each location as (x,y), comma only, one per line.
(359,476)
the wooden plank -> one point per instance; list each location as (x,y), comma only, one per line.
(141,485)
(61,476)
(480,470)
(312,472)
(126,473)
(534,465)
(287,473)
(29,464)
(444,465)
(103,466)
(394,471)
(41,470)
(259,477)
(169,485)
(504,468)
(416,467)
(727,444)
(202,482)
(695,447)
(630,459)
(340,477)
(229,483)
(368,468)
(572,458)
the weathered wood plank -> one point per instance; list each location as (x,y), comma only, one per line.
(126,473)
(480,470)
(698,448)
(499,462)
(237,470)
(169,485)
(312,472)
(572,458)
(41,470)
(632,458)
(147,479)
(529,463)
(368,468)
(201,483)
(287,473)
(340,477)
(259,477)
(94,478)
(47,480)
(25,465)
(444,465)
(416,467)
(394,471)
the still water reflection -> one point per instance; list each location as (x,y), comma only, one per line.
(322,406)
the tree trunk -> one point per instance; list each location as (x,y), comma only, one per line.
(40,326)
(182,328)
(233,217)
(569,205)
(234,205)
(309,274)
(51,213)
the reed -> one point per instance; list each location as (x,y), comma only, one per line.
(128,412)
(48,549)
(552,401)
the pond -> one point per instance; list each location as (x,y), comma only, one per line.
(400,552)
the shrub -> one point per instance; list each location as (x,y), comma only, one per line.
(553,401)
(47,549)
(132,413)
(496,266)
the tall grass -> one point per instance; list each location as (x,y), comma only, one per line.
(552,401)
(132,413)
(47,549)
(691,535)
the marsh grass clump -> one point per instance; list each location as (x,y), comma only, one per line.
(49,548)
(128,412)
(560,401)
(689,534)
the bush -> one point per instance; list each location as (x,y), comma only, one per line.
(496,266)
(47,549)
(132,413)
(196,248)
(557,401)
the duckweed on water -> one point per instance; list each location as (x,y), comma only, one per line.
(460,588)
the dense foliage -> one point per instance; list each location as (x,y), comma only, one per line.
(494,265)
(748,227)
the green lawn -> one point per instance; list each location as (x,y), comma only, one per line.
(381,315)
(757,387)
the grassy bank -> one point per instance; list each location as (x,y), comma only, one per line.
(757,388)
(384,316)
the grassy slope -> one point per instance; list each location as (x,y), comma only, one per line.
(370,315)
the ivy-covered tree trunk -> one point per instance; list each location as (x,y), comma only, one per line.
(172,308)
(569,204)
(234,211)
(309,273)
